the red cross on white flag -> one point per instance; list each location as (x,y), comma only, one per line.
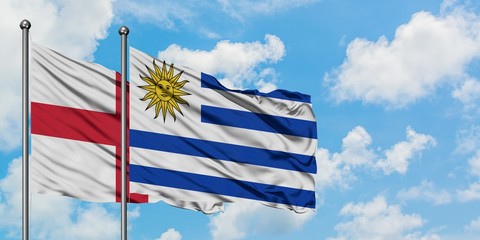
(75,109)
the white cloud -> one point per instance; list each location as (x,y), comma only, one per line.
(420,236)
(377,220)
(448,5)
(250,218)
(11,195)
(468,140)
(268,79)
(170,234)
(52,217)
(91,222)
(470,194)
(473,226)
(355,150)
(411,66)
(331,171)
(398,157)
(134,213)
(468,93)
(240,70)
(69,26)
(425,191)
(474,163)
(337,169)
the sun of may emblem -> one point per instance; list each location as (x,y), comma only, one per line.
(164,90)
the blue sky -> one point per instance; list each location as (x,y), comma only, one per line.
(395,89)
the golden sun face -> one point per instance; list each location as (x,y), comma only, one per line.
(164,90)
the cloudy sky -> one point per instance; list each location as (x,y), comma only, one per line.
(395,87)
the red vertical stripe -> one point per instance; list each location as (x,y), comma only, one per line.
(118,153)
(131,197)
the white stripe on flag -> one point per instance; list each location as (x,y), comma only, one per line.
(225,169)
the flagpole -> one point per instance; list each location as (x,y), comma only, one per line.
(25,26)
(123,31)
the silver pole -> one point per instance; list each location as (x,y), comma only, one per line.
(25,26)
(123,31)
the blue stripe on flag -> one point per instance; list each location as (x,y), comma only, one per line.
(222,186)
(258,121)
(222,151)
(212,83)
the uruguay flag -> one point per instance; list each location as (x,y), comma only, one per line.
(196,144)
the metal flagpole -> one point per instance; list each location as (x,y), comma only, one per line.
(123,31)
(25,26)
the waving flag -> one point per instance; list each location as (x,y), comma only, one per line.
(75,118)
(196,144)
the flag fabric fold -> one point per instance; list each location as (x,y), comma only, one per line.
(196,144)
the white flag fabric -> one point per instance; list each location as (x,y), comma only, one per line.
(75,119)
(196,144)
